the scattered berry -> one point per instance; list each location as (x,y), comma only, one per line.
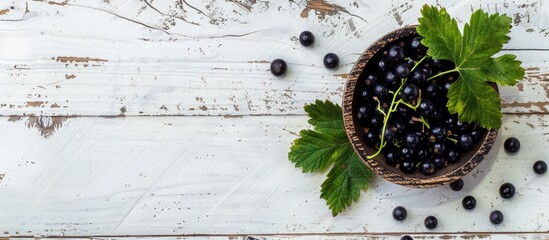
(457,185)
(399,213)
(469,202)
(430,222)
(278,67)
(507,190)
(511,145)
(406,237)
(331,61)
(306,38)
(496,217)
(540,167)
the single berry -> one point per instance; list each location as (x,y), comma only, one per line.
(366,95)
(371,138)
(371,80)
(496,217)
(409,92)
(306,38)
(430,222)
(421,153)
(406,237)
(389,135)
(425,107)
(438,133)
(362,112)
(406,153)
(417,49)
(402,70)
(438,149)
(399,213)
(411,140)
(391,158)
(540,167)
(278,67)
(427,168)
(465,142)
(475,133)
(511,145)
(507,190)
(439,162)
(418,76)
(382,65)
(407,166)
(432,89)
(395,54)
(392,80)
(457,185)
(380,90)
(469,202)
(331,61)
(452,155)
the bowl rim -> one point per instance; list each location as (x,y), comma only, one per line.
(359,147)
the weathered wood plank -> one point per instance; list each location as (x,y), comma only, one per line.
(215,175)
(143,58)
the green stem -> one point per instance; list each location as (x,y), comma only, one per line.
(392,108)
(424,121)
(442,73)
(451,139)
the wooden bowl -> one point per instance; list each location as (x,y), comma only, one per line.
(355,131)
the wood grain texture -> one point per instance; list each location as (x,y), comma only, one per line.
(104,133)
(215,175)
(212,57)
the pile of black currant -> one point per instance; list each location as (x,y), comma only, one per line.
(402,108)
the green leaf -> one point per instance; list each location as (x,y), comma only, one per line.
(475,101)
(326,117)
(440,32)
(315,151)
(345,181)
(471,97)
(504,70)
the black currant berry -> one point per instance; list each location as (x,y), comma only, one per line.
(439,162)
(417,77)
(452,155)
(427,168)
(406,237)
(306,38)
(496,217)
(392,81)
(399,213)
(411,140)
(380,90)
(511,145)
(438,149)
(469,202)
(507,190)
(416,48)
(465,142)
(540,167)
(438,133)
(383,65)
(331,61)
(395,54)
(278,67)
(406,153)
(407,166)
(430,222)
(409,92)
(457,185)
(402,70)
(425,107)
(371,80)
(391,158)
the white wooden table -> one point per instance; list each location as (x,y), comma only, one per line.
(142,118)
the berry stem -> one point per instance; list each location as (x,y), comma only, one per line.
(393,108)
(451,139)
(442,73)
